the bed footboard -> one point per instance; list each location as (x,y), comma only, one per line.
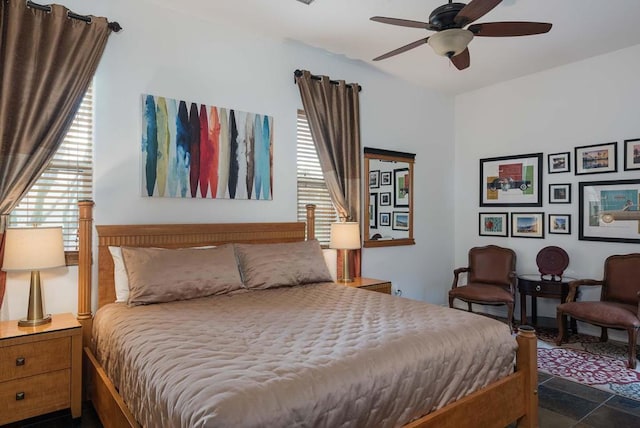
(111,409)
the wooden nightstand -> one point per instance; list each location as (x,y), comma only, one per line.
(379,285)
(40,368)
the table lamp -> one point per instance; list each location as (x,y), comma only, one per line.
(33,249)
(345,236)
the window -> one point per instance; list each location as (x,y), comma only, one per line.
(53,199)
(312,188)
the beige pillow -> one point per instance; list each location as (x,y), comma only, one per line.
(277,265)
(163,275)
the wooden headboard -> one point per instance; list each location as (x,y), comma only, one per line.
(166,236)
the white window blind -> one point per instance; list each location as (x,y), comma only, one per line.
(53,199)
(312,188)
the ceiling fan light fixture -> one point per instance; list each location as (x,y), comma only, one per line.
(450,42)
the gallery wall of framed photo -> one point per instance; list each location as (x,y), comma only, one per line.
(607,210)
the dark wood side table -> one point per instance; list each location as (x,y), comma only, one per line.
(535,286)
(379,285)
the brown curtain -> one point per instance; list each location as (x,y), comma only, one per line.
(47,61)
(333,112)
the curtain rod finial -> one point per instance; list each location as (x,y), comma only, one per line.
(115,27)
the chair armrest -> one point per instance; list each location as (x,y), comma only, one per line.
(573,287)
(456,273)
(513,277)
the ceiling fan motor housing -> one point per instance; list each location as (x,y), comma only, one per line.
(443,16)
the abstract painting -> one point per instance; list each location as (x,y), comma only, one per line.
(192,150)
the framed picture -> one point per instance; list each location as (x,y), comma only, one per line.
(609,211)
(385,219)
(510,181)
(596,159)
(385,178)
(559,162)
(373,210)
(385,198)
(560,193)
(631,154)
(401,188)
(493,224)
(400,221)
(527,225)
(374,176)
(560,224)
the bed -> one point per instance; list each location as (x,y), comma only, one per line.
(366,378)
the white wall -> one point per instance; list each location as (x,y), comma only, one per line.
(588,102)
(168,53)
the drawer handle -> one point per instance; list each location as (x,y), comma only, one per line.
(20,361)
(538,288)
(19,396)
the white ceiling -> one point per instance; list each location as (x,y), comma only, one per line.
(581,29)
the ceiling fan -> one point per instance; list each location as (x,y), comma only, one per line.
(451,38)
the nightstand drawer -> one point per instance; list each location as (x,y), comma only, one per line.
(380,288)
(35,395)
(19,361)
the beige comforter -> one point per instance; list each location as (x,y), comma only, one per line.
(321,355)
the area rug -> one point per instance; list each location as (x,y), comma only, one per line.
(586,360)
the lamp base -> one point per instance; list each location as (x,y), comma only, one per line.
(346,267)
(33,323)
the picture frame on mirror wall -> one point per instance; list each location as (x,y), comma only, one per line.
(373,210)
(385,219)
(609,212)
(385,199)
(632,154)
(559,162)
(401,188)
(400,220)
(527,225)
(560,224)
(493,224)
(511,181)
(385,178)
(596,158)
(374,177)
(560,193)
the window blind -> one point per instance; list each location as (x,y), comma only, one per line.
(312,188)
(53,199)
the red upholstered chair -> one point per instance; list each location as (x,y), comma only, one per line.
(491,279)
(619,304)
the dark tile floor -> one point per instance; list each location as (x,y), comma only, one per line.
(563,404)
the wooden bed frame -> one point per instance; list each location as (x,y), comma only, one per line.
(513,398)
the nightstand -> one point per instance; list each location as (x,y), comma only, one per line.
(40,368)
(379,285)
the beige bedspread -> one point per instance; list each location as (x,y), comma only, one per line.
(321,355)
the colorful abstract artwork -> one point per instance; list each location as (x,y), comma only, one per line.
(192,150)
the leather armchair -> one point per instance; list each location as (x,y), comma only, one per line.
(491,279)
(619,304)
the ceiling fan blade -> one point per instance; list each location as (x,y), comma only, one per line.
(473,10)
(462,60)
(402,49)
(403,22)
(509,29)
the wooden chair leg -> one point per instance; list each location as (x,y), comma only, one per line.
(633,338)
(451,299)
(561,319)
(469,306)
(604,334)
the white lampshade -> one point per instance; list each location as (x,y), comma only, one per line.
(33,248)
(450,42)
(345,236)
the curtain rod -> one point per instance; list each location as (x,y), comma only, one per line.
(113,26)
(298,73)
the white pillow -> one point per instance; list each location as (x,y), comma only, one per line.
(119,275)
(120,278)
(331,258)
